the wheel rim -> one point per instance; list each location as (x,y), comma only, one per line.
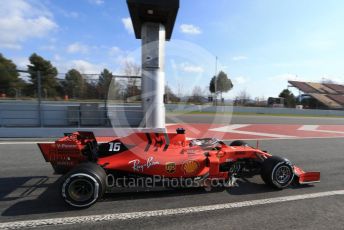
(81,190)
(283,174)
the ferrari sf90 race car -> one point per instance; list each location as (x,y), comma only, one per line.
(87,163)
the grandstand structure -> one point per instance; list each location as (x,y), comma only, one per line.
(328,95)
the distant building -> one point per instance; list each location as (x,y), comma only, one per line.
(320,95)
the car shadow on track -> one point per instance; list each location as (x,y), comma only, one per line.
(19,187)
(50,200)
(31,195)
(249,187)
(246,186)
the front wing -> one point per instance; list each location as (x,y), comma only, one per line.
(306,177)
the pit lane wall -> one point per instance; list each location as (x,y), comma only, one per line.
(30,114)
(23,119)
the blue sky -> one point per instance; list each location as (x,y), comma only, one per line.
(260,44)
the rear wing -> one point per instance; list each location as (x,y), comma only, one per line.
(69,151)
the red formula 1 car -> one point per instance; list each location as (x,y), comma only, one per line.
(88,164)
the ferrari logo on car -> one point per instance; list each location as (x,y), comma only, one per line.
(190,167)
(170,167)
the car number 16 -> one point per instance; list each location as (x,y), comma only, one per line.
(115,147)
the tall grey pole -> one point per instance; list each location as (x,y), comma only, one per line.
(153,74)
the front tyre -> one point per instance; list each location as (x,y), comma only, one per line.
(84,185)
(277,172)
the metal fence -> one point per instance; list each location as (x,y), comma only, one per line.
(36,99)
(75,87)
(38,86)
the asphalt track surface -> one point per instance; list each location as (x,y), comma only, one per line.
(28,191)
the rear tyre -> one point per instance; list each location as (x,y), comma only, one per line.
(238,143)
(84,185)
(277,172)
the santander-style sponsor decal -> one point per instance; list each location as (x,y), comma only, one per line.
(139,166)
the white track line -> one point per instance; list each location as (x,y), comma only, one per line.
(233,129)
(314,128)
(160,213)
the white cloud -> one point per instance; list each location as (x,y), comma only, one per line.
(21,20)
(77,48)
(120,57)
(189,68)
(21,62)
(10,45)
(222,67)
(128,25)
(318,78)
(83,66)
(190,29)
(121,60)
(239,58)
(335,79)
(86,67)
(240,80)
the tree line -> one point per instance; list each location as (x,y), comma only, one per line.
(75,85)
(9,77)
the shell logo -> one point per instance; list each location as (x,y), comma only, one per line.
(190,167)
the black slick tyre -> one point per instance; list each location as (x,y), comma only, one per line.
(277,172)
(84,185)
